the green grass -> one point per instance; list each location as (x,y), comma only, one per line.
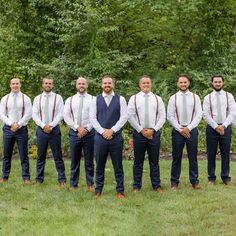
(48,210)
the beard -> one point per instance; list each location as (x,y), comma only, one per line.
(47,90)
(81,90)
(183,89)
(107,90)
(217,89)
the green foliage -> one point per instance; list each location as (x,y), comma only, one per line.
(67,39)
(122,38)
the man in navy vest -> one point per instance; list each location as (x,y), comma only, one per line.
(108,114)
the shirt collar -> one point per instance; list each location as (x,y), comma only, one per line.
(186,93)
(82,95)
(145,94)
(18,94)
(106,95)
(47,94)
(220,92)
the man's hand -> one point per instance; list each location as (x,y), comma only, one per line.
(220,129)
(47,129)
(147,133)
(82,131)
(108,134)
(184,131)
(14,127)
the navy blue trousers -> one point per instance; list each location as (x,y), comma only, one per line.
(9,139)
(76,146)
(54,140)
(213,139)
(152,146)
(178,142)
(102,148)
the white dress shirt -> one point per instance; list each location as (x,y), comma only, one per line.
(39,108)
(71,119)
(155,122)
(119,124)
(7,115)
(172,113)
(211,119)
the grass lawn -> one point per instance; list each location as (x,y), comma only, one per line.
(48,210)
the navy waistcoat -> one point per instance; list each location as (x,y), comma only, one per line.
(108,116)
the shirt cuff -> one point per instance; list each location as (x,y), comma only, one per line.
(214,125)
(225,125)
(20,124)
(178,128)
(114,129)
(75,127)
(88,127)
(42,125)
(52,124)
(101,131)
(190,127)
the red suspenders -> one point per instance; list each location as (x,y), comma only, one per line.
(194,105)
(23,105)
(136,110)
(227,107)
(54,107)
(71,109)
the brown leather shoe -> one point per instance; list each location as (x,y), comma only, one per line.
(27,181)
(227,182)
(91,188)
(136,190)
(174,187)
(97,195)
(120,195)
(196,186)
(62,185)
(2,180)
(160,190)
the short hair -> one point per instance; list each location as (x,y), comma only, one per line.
(81,77)
(47,77)
(15,77)
(217,75)
(144,76)
(183,75)
(108,76)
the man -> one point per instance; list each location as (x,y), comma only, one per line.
(147,116)
(108,114)
(218,112)
(47,114)
(15,112)
(184,113)
(81,134)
